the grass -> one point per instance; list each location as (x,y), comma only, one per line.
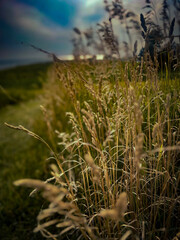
(30,76)
(115,168)
(19,158)
(21,83)
(20,154)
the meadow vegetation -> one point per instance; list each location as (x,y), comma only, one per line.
(21,83)
(114,170)
(111,133)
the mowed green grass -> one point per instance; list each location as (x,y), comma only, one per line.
(20,155)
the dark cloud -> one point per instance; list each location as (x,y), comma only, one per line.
(60,11)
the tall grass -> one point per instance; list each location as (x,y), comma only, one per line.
(115,170)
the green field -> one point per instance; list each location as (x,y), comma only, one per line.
(20,155)
(21,83)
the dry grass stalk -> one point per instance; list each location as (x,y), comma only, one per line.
(117,212)
(95,169)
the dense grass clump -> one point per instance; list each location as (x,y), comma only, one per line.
(115,170)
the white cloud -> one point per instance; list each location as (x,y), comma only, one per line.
(87,9)
(90,3)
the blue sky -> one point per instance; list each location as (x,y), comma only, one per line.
(47,24)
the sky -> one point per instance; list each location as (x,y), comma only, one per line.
(46,24)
